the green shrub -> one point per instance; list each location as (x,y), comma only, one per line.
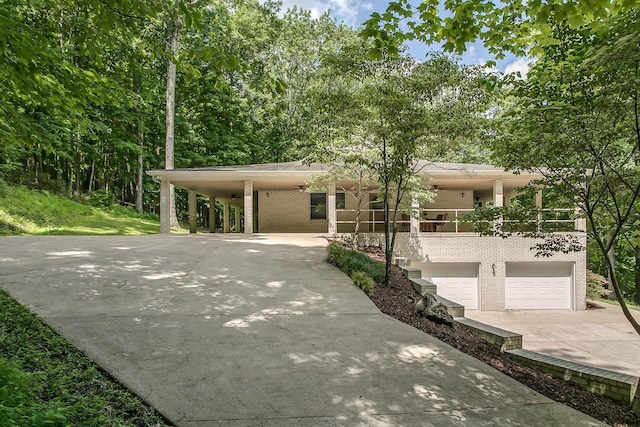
(19,404)
(99,199)
(363,281)
(351,261)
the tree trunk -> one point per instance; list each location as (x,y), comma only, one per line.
(618,293)
(78,163)
(92,176)
(636,276)
(172,27)
(611,259)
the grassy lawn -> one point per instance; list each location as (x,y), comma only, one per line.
(45,381)
(24,211)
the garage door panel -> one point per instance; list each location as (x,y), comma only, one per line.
(463,290)
(536,292)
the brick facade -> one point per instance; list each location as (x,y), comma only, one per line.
(488,251)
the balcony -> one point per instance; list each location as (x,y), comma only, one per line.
(461,220)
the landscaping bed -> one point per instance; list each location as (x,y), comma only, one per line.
(398,301)
(45,381)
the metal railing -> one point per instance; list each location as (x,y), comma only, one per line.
(453,220)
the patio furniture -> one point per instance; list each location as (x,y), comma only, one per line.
(440,220)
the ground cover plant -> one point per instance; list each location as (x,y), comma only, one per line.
(398,301)
(38,212)
(45,381)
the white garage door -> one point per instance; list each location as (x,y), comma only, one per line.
(457,282)
(539,286)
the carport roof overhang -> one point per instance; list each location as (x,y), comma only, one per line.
(225,181)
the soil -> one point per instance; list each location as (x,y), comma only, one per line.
(398,300)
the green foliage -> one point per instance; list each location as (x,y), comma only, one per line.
(352,261)
(363,281)
(100,199)
(18,402)
(382,116)
(24,211)
(45,381)
(518,26)
(574,120)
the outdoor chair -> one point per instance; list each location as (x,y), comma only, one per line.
(440,220)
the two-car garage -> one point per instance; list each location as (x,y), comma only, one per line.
(526,285)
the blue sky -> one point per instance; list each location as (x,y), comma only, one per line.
(355,12)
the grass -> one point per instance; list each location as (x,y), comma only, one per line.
(37,212)
(45,381)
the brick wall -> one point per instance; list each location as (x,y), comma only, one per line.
(488,251)
(287,211)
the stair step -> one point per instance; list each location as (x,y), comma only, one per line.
(453,308)
(507,340)
(423,286)
(411,272)
(402,261)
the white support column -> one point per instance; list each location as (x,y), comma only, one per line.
(498,193)
(212,214)
(331,210)
(165,207)
(236,210)
(498,201)
(580,222)
(226,217)
(248,207)
(193,211)
(415,216)
(537,201)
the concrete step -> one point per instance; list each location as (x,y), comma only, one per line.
(423,286)
(401,261)
(411,272)
(507,340)
(453,308)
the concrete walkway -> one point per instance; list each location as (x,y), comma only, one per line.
(236,331)
(602,337)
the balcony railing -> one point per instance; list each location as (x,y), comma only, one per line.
(460,220)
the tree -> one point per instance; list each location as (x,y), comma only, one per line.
(518,26)
(397,111)
(576,121)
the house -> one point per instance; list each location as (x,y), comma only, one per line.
(480,272)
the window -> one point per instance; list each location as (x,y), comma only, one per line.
(340,201)
(318,206)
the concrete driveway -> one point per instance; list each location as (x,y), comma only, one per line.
(236,331)
(601,337)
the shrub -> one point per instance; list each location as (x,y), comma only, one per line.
(100,199)
(351,261)
(363,281)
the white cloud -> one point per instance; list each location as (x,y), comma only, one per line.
(521,65)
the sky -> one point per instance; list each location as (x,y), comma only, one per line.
(355,12)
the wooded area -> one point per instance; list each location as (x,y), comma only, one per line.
(88,89)
(82,105)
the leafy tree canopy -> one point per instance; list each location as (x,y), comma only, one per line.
(518,26)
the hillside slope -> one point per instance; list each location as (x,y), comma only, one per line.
(35,212)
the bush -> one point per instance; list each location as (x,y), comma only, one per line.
(100,199)
(363,281)
(19,404)
(351,261)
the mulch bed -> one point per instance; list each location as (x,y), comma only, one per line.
(398,300)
